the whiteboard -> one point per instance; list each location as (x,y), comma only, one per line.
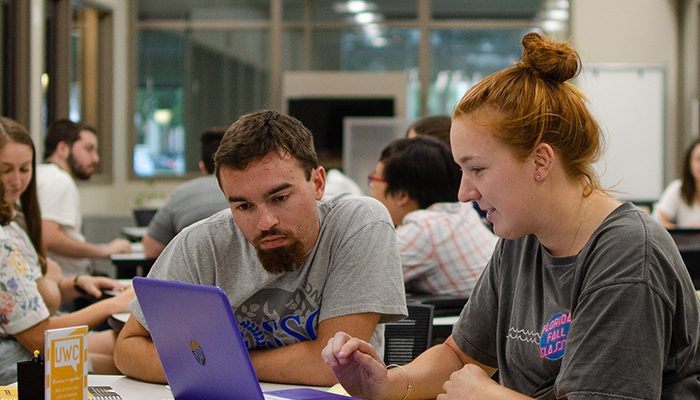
(628,103)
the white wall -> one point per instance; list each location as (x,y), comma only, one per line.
(634,32)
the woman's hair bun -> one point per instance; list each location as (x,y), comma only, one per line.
(552,61)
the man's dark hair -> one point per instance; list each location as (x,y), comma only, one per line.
(209,141)
(437,126)
(61,130)
(421,167)
(257,134)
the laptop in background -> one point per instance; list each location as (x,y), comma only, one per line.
(200,346)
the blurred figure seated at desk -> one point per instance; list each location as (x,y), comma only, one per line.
(32,286)
(337,182)
(679,205)
(70,152)
(190,202)
(444,246)
(297,269)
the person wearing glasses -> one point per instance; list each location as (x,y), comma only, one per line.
(444,246)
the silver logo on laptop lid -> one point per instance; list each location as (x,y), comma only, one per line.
(198,352)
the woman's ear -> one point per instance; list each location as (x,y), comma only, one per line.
(543,160)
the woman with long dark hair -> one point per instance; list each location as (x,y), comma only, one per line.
(679,205)
(29,282)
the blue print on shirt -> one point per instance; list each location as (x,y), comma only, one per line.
(274,317)
(553,337)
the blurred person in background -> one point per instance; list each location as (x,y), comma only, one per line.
(70,152)
(192,201)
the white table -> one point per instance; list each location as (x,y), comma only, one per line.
(134,233)
(131,389)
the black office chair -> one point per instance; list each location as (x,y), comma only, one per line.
(444,305)
(406,339)
(688,242)
(691,259)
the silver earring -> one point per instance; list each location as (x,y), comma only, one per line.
(538,177)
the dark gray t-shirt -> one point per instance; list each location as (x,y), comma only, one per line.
(618,320)
(354,267)
(191,202)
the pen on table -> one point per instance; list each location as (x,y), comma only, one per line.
(37,357)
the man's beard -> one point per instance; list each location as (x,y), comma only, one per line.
(78,170)
(280,259)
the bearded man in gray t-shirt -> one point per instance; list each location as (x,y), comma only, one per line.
(297,269)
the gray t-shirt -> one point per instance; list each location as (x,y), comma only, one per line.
(354,267)
(618,320)
(191,202)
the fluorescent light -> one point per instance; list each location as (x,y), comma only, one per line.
(549,25)
(163,116)
(556,14)
(44,81)
(354,6)
(367,18)
(358,6)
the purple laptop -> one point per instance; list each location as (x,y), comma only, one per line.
(200,346)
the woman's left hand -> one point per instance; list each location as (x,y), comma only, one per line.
(469,383)
(473,383)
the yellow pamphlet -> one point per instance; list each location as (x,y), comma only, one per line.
(65,363)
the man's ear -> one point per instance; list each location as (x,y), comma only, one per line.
(202,168)
(62,150)
(402,198)
(318,182)
(404,202)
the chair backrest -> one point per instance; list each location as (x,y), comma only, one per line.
(444,305)
(688,243)
(406,339)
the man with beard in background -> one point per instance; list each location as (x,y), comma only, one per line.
(70,152)
(297,268)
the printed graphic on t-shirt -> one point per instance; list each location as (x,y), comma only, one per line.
(524,335)
(553,336)
(275,317)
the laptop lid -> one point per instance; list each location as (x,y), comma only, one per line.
(196,335)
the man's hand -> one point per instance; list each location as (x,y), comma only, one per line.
(116,246)
(94,285)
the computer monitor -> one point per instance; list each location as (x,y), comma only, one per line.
(324,118)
